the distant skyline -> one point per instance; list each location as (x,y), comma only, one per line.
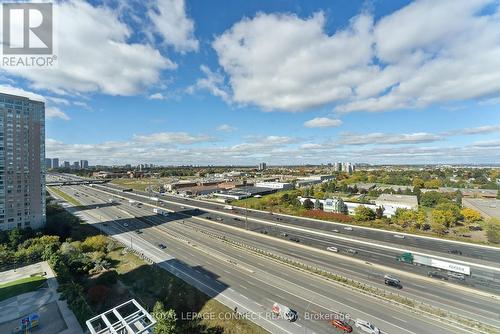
(198,82)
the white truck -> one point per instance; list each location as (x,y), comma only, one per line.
(228,207)
(159,211)
(284,312)
(155,199)
(131,202)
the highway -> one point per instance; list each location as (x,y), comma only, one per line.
(327,294)
(485,274)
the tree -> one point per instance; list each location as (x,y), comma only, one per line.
(441,220)
(498,194)
(308,204)
(470,216)
(95,243)
(433,184)
(6,255)
(431,198)
(418,183)
(363,213)
(405,217)
(379,212)
(166,320)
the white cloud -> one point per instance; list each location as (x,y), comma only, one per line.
(171,138)
(157,96)
(428,52)
(322,122)
(94,54)
(285,62)
(388,138)
(226,128)
(54,112)
(8,89)
(170,20)
(480,130)
(212,82)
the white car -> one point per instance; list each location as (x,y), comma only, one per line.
(332,249)
(399,236)
(366,327)
(348,228)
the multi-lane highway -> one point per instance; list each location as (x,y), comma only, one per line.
(267,281)
(485,272)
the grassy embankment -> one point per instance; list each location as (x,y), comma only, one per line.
(147,284)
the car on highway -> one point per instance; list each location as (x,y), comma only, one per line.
(399,236)
(348,228)
(294,239)
(457,276)
(332,249)
(392,281)
(351,251)
(455,251)
(219,219)
(437,274)
(138,232)
(238,219)
(336,231)
(125,224)
(366,327)
(183,207)
(284,234)
(264,232)
(342,325)
(162,246)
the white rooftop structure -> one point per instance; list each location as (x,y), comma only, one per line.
(127,318)
(401,201)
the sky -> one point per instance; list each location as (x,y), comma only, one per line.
(235,82)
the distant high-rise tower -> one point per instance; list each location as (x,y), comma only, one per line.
(22,162)
(55,163)
(48,163)
(262,166)
(84,164)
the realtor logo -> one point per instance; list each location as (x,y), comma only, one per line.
(27,29)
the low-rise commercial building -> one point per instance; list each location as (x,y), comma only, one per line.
(391,203)
(274,185)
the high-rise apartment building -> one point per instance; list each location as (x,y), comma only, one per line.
(262,166)
(55,163)
(84,164)
(66,164)
(22,162)
(48,163)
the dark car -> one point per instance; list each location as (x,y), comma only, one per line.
(162,246)
(437,274)
(393,282)
(264,232)
(455,251)
(342,325)
(294,239)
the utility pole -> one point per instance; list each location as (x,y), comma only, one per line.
(131,243)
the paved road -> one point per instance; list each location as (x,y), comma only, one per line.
(480,254)
(296,288)
(379,252)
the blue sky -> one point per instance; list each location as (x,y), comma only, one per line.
(285,82)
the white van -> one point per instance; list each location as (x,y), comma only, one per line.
(332,249)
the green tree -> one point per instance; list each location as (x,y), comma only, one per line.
(405,217)
(441,220)
(6,255)
(433,184)
(498,194)
(430,198)
(418,183)
(363,213)
(166,320)
(308,204)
